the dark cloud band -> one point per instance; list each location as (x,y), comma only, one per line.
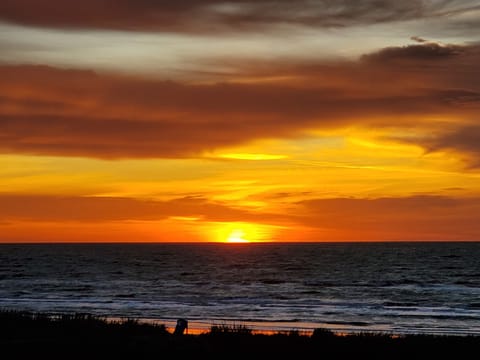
(209,15)
(51,111)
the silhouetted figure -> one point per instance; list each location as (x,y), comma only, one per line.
(182,325)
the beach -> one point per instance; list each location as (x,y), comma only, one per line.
(28,335)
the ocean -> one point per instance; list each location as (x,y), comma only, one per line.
(431,288)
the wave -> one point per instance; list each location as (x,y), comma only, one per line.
(348,286)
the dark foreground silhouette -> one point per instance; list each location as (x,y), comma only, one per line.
(36,336)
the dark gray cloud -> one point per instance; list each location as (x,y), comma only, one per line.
(418,39)
(464,140)
(208,15)
(421,52)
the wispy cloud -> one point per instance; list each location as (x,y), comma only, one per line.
(39,208)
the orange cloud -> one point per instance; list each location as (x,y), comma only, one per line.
(101,209)
(51,111)
(421,217)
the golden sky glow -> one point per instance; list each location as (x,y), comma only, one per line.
(254,122)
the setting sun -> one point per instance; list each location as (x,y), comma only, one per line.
(237,236)
(241,232)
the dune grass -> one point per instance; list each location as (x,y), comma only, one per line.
(236,329)
(26,335)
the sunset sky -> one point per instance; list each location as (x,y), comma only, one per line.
(258,120)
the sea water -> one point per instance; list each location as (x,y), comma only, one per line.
(393,287)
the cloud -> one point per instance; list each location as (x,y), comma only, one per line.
(422,52)
(209,15)
(51,208)
(418,39)
(425,217)
(464,140)
(52,111)
(420,217)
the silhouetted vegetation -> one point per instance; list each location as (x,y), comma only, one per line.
(230,329)
(30,336)
(322,334)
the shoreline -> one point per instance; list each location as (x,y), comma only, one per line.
(80,336)
(27,335)
(272,327)
(201,326)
